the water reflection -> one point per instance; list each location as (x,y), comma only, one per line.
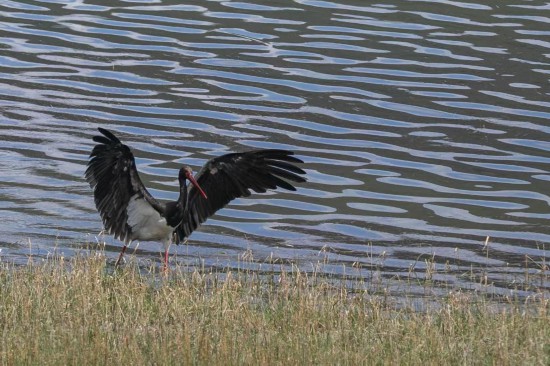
(423,125)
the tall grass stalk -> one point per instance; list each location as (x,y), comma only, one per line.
(81,311)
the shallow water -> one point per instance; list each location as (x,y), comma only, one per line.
(424,126)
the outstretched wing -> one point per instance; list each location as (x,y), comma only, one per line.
(233,175)
(118,190)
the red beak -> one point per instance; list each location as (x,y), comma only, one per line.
(189,176)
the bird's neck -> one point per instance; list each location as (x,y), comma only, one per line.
(182,199)
(175,210)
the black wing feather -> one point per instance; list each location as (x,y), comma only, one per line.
(233,175)
(113,176)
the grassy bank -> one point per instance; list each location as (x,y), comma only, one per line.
(79,312)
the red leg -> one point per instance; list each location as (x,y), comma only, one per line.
(166,259)
(121,255)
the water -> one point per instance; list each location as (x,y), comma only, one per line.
(424,126)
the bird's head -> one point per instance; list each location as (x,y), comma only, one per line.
(187,173)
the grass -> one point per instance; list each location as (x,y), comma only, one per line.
(81,311)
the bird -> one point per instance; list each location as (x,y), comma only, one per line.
(130,213)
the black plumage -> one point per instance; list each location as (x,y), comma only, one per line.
(130,212)
(233,175)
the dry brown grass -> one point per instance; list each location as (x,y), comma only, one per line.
(80,311)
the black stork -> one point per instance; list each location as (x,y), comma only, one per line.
(130,212)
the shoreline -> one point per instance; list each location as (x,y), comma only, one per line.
(79,310)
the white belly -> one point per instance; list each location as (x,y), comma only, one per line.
(146,222)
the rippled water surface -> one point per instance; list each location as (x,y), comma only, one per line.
(424,125)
